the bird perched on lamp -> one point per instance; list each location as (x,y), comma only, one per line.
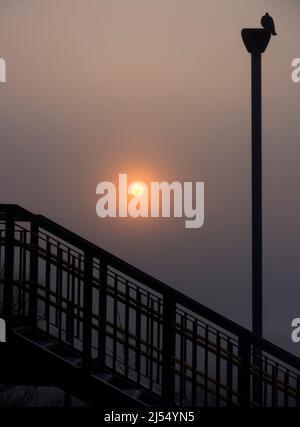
(268,23)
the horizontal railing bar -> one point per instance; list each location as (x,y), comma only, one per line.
(79,273)
(25,285)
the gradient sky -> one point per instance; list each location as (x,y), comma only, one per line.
(158,89)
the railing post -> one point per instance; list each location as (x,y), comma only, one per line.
(9,267)
(169,347)
(102,313)
(244,372)
(33,274)
(87,310)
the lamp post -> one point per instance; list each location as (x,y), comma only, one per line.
(256,41)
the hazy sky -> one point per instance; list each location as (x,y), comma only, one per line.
(158,89)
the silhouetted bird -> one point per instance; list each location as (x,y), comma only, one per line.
(268,23)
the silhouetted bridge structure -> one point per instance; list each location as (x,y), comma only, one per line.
(83,320)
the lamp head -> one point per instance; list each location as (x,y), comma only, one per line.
(256,40)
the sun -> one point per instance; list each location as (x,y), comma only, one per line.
(136,189)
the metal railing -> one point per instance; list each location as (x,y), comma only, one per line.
(117,318)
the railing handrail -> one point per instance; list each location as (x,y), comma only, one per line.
(152,283)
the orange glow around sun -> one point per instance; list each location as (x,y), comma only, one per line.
(136,189)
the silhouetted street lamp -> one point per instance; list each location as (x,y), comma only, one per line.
(256,41)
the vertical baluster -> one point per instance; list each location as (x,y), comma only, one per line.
(21,289)
(151,344)
(265,400)
(138,321)
(56,287)
(257,384)
(59,290)
(169,347)
(24,277)
(33,274)
(158,341)
(274,386)
(206,366)
(182,359)
(70,323)
(147,334)
(76,284)
(126,330)
(115,322)
(260,401)
(218,368)
(47,285)
(9,266)
(68,272)
(229,371)
(80,283)
(87,309)
(244,372)
(185,354)
(298,392)
(102,312)
(286,386)
(194,364)
(70,308)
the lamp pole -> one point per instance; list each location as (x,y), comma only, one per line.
(256,41)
